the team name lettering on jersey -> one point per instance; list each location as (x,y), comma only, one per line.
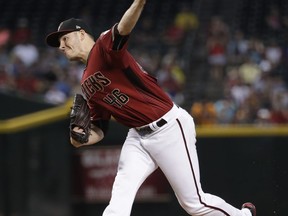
(94,83)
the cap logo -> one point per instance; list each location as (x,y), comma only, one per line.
(78,27)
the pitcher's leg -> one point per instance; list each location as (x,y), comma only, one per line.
(135,165)
(179,162)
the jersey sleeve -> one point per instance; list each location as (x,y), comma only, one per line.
(112,41)
(115,46)
(119,41)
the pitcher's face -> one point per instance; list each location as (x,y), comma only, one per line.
(70,45)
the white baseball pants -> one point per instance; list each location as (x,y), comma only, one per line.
(171,148)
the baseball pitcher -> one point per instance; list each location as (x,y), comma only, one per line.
(161,133)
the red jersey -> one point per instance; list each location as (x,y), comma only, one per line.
(114,84)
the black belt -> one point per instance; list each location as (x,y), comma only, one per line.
(147,129)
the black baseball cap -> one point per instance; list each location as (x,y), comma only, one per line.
(65,27)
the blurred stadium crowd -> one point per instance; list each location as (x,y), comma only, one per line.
(249,72)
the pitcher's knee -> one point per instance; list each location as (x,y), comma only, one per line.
(199,209)
(193,209)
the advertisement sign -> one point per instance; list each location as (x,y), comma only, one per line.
(94,171)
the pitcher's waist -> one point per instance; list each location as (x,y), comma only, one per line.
(155,125)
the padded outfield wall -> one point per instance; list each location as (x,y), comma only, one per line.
(41,173)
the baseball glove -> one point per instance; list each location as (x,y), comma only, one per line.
(80,117)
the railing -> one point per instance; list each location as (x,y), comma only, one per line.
(237,130)
(25,122)
(32,120)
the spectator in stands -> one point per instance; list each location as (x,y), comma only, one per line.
(171,77)
(185,21)
(27,84)
(5,35)
(243,114)
(148,60)
(263,117)
(146,34)
(237,48)
(217,41)
(4,54)
(273,20)
(279,99)
(75,71)
(167,81)
(23,48)
(273,53)
(216,57)
(249,71)
(26,53)
(174,35)
(204,112)
(7,82)
(256,50)
(55,96)
(225,111)
(21,33)
(240,92)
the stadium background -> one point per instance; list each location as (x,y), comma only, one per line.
(224,61)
